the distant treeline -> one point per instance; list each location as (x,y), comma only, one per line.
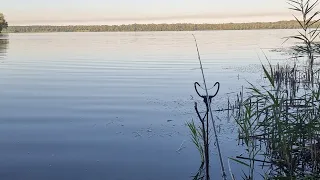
(156,27)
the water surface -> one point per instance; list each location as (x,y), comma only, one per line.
(114,105)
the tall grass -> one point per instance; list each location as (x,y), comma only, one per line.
(307,35)
(280,121)
(287,128)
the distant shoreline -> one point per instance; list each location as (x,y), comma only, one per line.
(154,27)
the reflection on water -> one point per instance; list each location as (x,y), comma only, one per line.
(114,105)
(4,41)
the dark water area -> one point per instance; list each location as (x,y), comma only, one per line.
(114,105)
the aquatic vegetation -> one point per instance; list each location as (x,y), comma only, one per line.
(284,129)
(279,120)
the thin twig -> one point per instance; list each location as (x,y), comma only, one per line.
(181,146)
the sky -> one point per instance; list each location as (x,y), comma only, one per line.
(115,12)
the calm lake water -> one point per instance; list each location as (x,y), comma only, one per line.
(114,105)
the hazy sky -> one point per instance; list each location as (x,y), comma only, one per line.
(62,12)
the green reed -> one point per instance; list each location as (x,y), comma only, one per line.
(307,35)
(280,121)
(197,137)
